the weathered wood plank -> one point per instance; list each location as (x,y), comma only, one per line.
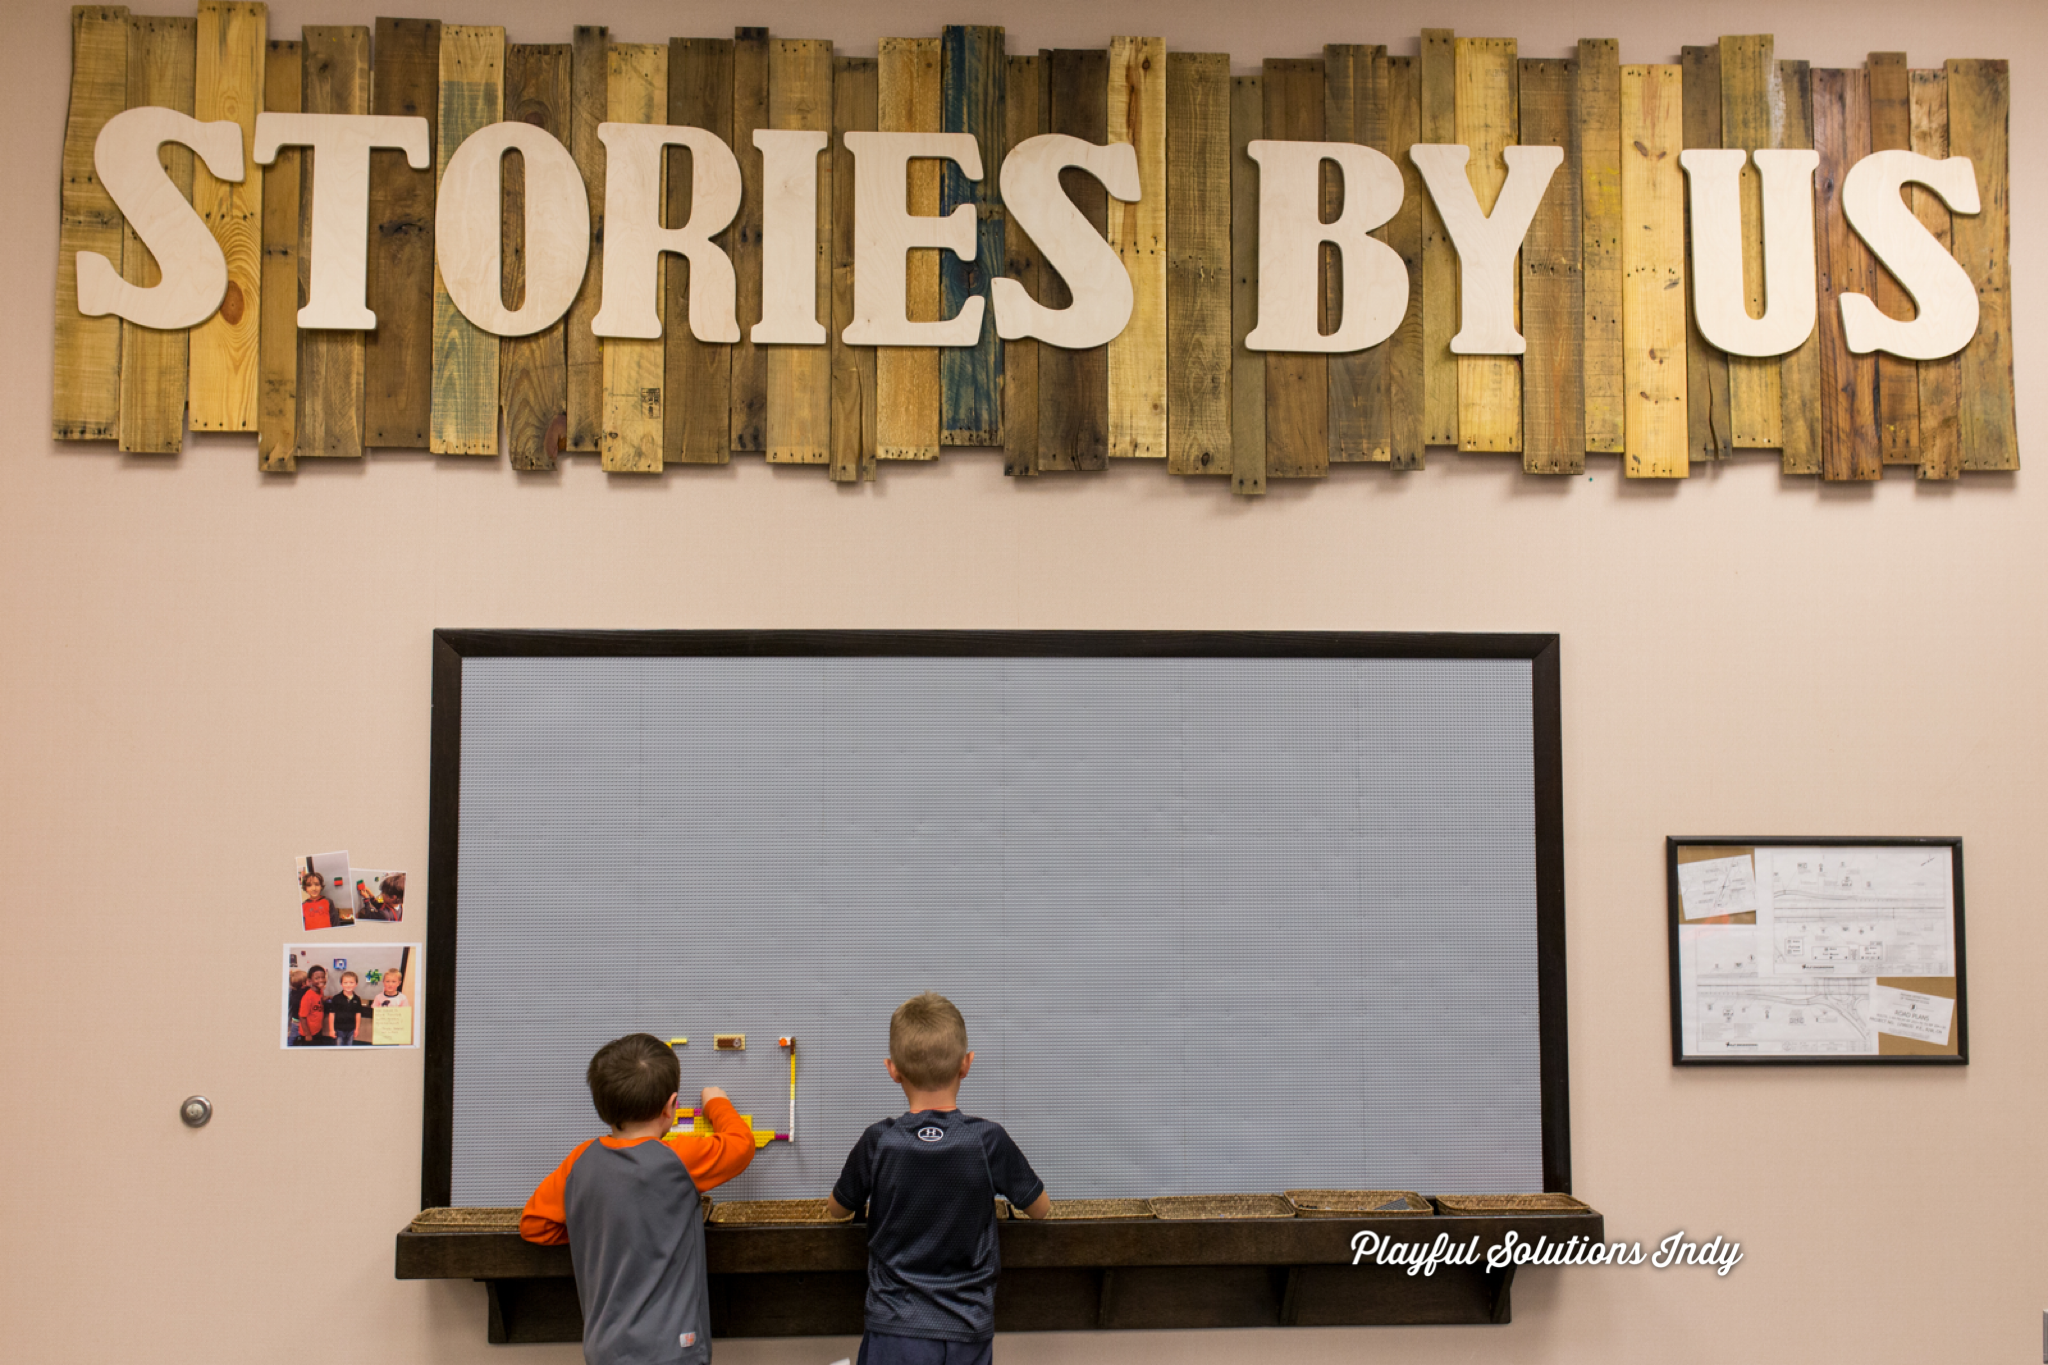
(229,88)
(1438,67)
(533,375)
(589,62)
(1198,262)
(636,85)
(1841,133)
(1752,118)
(398,358)
(335,80)
(1488,113)
(1898,381)
(1023,118)
(853,367)
(1706,367)
(799,420)
(1599,116)
(1136,113)
(1073,386)
(1247,367)
(85,388)
(464,416)
(1405,397)
(971,80)
(1553,290)
(1799,371)
(749,394)
(1653,272)
(1297,384)
(696,407)
(1979,118)
(1354,110)
(1940,380)
(277,416)
(162,53)
(907,377)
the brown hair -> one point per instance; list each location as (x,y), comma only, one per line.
(319,882)
(632,1077)
(927,1040)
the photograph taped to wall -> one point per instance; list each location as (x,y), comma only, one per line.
(350,995)
(327,895)
(380,895)
(1835,950)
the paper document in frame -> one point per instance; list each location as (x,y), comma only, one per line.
(1717,886)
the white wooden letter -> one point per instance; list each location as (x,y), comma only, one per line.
(469,229)
(789,236)
(1944,299)
(1291,235)
(884,230)
(195,273)
(340,239)
(1714,179)
(1067,241)
(1486,245)
(634,237)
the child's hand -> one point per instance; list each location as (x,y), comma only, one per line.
(711,1092)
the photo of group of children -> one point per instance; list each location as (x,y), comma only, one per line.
(333,895)
(354,995)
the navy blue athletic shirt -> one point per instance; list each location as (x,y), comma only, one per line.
(930,1182)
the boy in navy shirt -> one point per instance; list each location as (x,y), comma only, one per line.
(929,1180)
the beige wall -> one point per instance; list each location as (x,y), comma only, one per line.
(208,673)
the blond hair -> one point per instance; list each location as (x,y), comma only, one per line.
(928,1041)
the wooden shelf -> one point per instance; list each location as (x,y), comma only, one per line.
(1057,1276)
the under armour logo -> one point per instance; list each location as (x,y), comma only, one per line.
(930,1134)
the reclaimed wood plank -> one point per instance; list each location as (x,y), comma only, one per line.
(1653,272)
(1898,380)
(1752,119)
(1848,382)
(907,377)
(1023,118)
(277,416)
(1599,115)
(463,419)
(533,370)
(853,367)
(1073,385)
(1488,116)
(85,385)
(1979,119)
(1940,381)
(749,394)
(229,88)
(1706,367)
(1405,398)
(398,358)
(696,408)
(335,80)
(1136,113)
(1354,110)
(971,81)
(1198,262)
(798,424)
(162,53)
(1799,371)
(636,85)
(589,63)
(1553,289)
(1297,383)
(1247,367)
(1438,67)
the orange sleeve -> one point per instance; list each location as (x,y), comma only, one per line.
(712,1160)
(545,1219)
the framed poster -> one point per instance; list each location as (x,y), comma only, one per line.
(1789,950)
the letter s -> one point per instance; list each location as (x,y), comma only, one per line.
(1100,285)
(195,272)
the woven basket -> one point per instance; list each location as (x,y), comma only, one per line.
(1511,1203)
(1099,1210)
(1188,1206)
(465,1220)
(734,1212)
(1359,1203)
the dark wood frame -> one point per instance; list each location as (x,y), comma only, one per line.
(1672,843)
(452,647)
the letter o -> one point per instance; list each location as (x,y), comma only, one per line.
(469,230)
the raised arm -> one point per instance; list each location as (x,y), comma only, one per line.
(714,1158)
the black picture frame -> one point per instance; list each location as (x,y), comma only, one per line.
(451,647)
(1673,916)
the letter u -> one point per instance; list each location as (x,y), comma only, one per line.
(1714,176)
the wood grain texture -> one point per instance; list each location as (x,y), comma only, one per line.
(1023,118)
(1599,118)
(532,370)
(335,80)
(85,387)
(1653,272)
(854,109)
(749,386)
(696,408)
(161,56)
(1439,85)
(1073,386)
(1752,118)
(229,88)
(1297,384)
(277,352)
(1706,367)
(907,377)
(971,92)
(1405,398)
(1553,289)
(1898,381)
(1799,372)
(1354,110)
(1979,118)
(1247,367)
(799,418)
(1136,113)
(1940,381)
(589,62)
(464,415)
(636,83)
(1848,382)
(1489,118)
(1198,262)
(398,358)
